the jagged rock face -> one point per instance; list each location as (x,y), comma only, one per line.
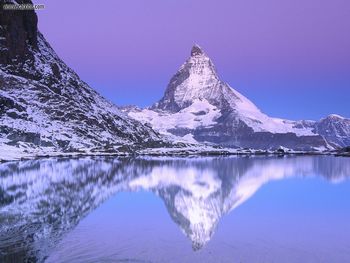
(46,106)
(196,80)
(335,129)
(18,31)
(199,106)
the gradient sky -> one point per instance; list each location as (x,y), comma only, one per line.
(290,57)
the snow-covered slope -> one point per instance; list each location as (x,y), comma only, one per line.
(335,128)
(203,84)
(198,106)
(45,107)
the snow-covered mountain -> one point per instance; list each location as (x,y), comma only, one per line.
(335,128)
(199,107)
(45,107)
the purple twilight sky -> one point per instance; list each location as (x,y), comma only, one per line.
(290,57)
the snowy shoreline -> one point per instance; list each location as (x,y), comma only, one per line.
(166,152)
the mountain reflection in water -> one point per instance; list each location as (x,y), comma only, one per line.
(40,200)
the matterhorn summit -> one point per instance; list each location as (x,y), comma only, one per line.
(199,107)
(197,79)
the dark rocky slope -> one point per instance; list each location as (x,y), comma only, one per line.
(46,107)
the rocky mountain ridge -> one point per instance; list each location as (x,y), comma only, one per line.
(46,108)
(198,106)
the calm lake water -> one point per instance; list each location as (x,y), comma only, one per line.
(208,209)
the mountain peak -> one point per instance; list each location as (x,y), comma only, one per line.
(197,79)
(196,50)
(334,116)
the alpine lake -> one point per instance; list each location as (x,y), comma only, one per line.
(245,209)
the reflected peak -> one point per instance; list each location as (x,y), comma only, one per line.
(54,194)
